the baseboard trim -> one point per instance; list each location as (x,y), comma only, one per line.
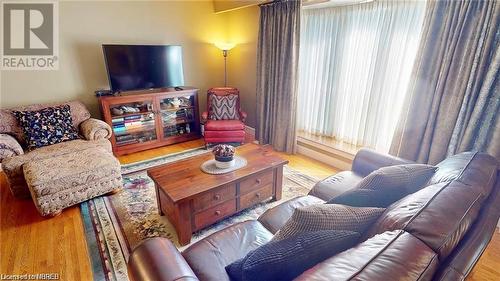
(250,131)
(338,161)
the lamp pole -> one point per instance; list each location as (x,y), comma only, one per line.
(224,53)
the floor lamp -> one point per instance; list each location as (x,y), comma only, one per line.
(225,47)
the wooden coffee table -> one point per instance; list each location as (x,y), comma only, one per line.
(193,200)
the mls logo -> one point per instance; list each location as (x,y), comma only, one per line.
(29,35)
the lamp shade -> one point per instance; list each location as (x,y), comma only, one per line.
(224,45)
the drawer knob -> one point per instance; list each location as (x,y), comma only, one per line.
(216,197)
(258,181)
(217,213)
(257,195)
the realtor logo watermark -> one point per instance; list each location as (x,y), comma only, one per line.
(30,37)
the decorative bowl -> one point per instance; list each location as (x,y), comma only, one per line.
(224,156)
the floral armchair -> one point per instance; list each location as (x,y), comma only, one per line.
(94,134)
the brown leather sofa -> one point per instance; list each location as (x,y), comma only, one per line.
(437,233)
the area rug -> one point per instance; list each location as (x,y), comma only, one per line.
(115,224)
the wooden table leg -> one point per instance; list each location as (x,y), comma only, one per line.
(158,201)
(278,183)
(183,224)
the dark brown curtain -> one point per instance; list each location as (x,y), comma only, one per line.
(277,62)
(453,99)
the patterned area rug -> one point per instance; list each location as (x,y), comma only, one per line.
(115,224)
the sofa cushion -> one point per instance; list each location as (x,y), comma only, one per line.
(328,217)
(46,126)
(407,176)
(68,179)
(442,213)
(13,166)
(9,124)
(55,174)
(369,198)
(468,167)
(273,219)
(335,185)
(224,125)
(224,107)
(394,255)
(223,248)
(286,259)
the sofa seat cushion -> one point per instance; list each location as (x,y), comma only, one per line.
(209,256)
(224,125)
(335,185)
(286,259)
(328,217)
(273,219)
(394,255)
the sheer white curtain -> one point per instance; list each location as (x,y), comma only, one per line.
(354,67)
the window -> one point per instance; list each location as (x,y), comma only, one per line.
(354,68)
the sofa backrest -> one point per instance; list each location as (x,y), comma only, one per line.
(392,255)
(9,124)
(441,213)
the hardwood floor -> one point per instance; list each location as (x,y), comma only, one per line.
(32,244)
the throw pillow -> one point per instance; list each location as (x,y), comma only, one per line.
(46,126)
(224,107)
(328,217)
(287,259)
(408,176)
(369,198)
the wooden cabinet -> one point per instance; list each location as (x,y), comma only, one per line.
(147,119)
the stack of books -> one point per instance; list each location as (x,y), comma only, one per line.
(128,129)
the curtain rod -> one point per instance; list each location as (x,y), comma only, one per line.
(271,2)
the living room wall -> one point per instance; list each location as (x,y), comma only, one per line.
(85,25)
(242,60)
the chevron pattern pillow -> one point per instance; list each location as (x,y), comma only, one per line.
(224,107)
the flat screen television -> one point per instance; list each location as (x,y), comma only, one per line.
(139,67)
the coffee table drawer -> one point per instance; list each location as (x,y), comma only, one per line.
(214,214)
(256,196)
(256,182)
(214,197)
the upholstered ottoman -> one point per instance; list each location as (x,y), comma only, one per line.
(68,179)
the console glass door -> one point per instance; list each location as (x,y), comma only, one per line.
(133,122)
(178,116)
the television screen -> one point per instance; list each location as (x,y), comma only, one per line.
(137,67)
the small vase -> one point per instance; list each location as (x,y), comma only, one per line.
(224,162)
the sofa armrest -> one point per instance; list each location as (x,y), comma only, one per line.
(158,259)
(367,161)
(94,129)
(9,147)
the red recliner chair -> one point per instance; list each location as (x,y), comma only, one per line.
(223,120)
